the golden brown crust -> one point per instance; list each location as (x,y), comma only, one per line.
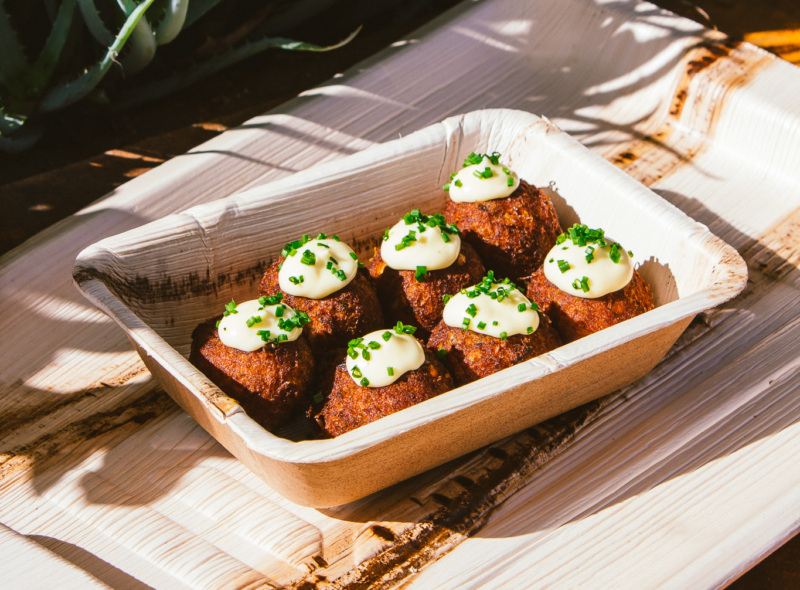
(512,235)
(269,383)
(418,303)
(350,405)
(471,356)
(576,317)
(336,319)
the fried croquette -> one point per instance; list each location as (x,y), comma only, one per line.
(470,355)
(512,235)
(575,317)
(420,302)
(336,318)
(350,405)
(269,383)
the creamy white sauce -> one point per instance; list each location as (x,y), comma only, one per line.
(467,187)
(428,247)
(513,314)
(234,331)
(602,274)
(389,357)
(334,266)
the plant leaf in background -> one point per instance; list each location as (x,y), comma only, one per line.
(29,89)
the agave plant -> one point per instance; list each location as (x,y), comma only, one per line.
(121,37)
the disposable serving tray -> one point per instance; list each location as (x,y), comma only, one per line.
(162,279)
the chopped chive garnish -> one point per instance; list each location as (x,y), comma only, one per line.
(264,334)
(353,255)
(401,328)
(308,258)
(446,186)
(365,353)
(589,254)
(323,245)
(386,234)
(465,324)
(296,280)
(530,329)
(441,353)
(583,284)
(522,307)
(321,236)
(386,335)
(563,266)
(510,181)
(481,325)
(422,272)
(335,237)
(292,247)
(494,323)
(365,382)
(446,298)
(230,308)
(630,253)
(271,299)
(390,371)
(503,335)
(374,345)
(279,311)
(472,310)
(356,372)
(252,321)
(614,253)
(458,183)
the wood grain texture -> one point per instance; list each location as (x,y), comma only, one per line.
(683,479)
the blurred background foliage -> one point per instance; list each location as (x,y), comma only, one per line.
(117,54)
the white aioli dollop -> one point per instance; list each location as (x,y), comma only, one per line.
(509,315)
(428,248)
(467,187)
(334,266)
(602,274)
(234,331)
(394,355)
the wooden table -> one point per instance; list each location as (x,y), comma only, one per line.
(684,479)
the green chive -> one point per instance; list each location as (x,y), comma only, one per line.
(390,371)
(308,258)
(563,266)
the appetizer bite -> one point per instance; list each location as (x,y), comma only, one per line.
(510,223)
(489,327)
(421,259)
(321,277)
(256,353)
(588,283)
(384,372)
